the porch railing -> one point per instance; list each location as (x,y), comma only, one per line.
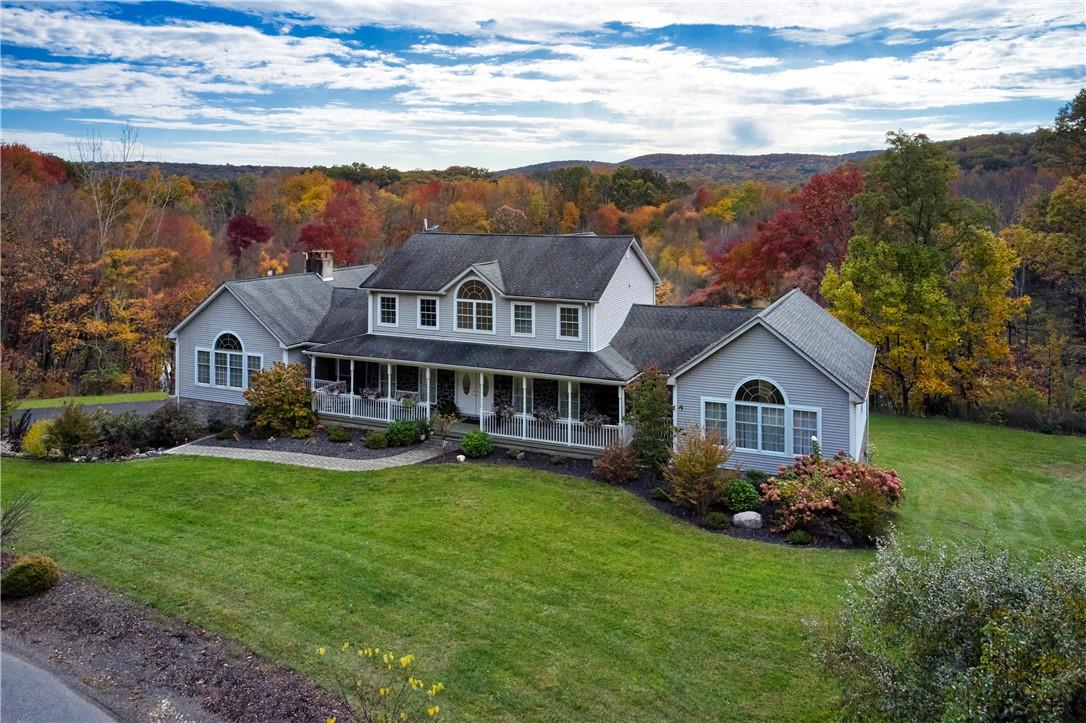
(569,432)
(328,401)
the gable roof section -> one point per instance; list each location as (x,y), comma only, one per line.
(532,266)
(347,316)
(669,336)
(351,276)
(290,306)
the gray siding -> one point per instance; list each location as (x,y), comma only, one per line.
(545,323)
(758,353)
(222,314)
(631,284)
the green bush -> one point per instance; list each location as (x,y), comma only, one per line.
(225,433)
(29,575)
(716,521)
(120,435)
(170,425)
(302,433)
(216,425)
(477,444)
(35,441)
(865,513)
(280,400)
(441,424)
(617,463)
(649,412)
(376,440)
(659,493)
(338,434)
(962,634)
(756,477)
(798,537)
(740,496)
(72,432)
(402,433)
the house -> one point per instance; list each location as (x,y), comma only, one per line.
(532,338)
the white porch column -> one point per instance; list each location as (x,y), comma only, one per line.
(569,412)
(479,396)
(429,401)
(313,373)
(351,390)
(388,402)
(524,407)
(622,412)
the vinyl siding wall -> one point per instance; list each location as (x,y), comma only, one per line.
(545,323)
(631,284)
(225,313)
(758,353)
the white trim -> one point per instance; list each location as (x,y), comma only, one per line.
(513,318)
(792,425)
(418,312)
(645,260)
(214,295)
(472,269)
(760,378)
(177,370)
(558,322)
(395,298)
(727,414)
(474,309)
(286,357)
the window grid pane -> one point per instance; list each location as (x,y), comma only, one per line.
(716,419)
(236,366)
(522,319)
(428,312)
(746,426)
(484,316)
(804,426)
(252,368)
(772,429)
(388,310)
(464,315)
(569,321)
(220,368)
(203,367)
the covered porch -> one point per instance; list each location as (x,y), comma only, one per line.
(537,409)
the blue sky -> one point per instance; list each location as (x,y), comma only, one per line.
(413,84)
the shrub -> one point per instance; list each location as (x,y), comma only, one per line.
(169,426)
(446,406)
(280,400)
(659,493)
(17,429)
(29,575)
(225,433)
(216,424)
(740,496)
(617,463)
(35,443)
(812,490)
(390,689)
(695,474)
(477,444)
(9,394)
(72,431)
(649,413)
(376,440)
(716,521)
(798,537)
(756,477)
(962,634)
(15,516)
(260,434)
(338,434)
(119,435)
(302,433)
(402,433)
(441,424)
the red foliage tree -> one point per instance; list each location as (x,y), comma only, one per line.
(242,231)
(794,247)
(347,225)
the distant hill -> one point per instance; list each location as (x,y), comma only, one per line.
(203,171)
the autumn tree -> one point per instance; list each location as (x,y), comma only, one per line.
(1067,138)
(242,231)
(509,220)
(467,216)
(346,225)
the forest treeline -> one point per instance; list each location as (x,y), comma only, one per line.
(962,261)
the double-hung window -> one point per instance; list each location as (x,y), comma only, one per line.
(569,322)
(203,366)
(523,319)
(715,418)
(569,400)
(388,311)
(804,428)
(474,307)
(523,395)
(427,312)
(226,365)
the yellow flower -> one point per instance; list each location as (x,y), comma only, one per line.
(331,720)
(320,650)
(361,652)
(433,710)
(382,691)
(406,660)
(435,689)
(346,645)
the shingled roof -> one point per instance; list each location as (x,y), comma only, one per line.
(668,336)
(291,306)
(535,266)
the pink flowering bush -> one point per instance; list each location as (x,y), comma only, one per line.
(821,494)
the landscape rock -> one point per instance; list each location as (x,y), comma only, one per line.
(750,520)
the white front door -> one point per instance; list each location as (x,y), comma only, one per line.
(467,391)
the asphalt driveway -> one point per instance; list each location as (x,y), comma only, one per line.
(29,694)
(116,408)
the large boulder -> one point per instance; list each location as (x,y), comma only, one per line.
(750,520)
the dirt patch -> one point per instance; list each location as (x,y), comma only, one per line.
(318,445)
(144,666)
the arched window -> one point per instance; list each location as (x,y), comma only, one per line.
(474,307)
(759,416)
(226,364)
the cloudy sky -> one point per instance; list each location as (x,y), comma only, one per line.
(414,84)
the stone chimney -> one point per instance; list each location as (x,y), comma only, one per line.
(319,262)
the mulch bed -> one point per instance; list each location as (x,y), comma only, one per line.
(642,487)
(318,444)
(145,666)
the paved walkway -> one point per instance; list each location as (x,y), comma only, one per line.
(29,694)
(414,455)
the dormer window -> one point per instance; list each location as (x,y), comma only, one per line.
(474,307)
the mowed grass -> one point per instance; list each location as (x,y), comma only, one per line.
(93,399)
(533,596)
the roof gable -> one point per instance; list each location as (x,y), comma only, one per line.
(532,266)
(668,336)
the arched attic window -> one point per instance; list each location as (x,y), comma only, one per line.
(474,307)
(759,416)
(232,367)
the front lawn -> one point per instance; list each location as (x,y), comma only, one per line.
(94,399)
(533,596)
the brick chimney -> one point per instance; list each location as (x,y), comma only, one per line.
(319,262)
